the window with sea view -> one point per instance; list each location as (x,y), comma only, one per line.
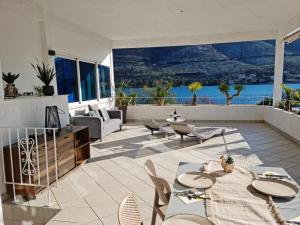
(249,63)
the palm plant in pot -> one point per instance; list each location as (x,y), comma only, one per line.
(10,90)
(46,74)
(194,87)
(122,99)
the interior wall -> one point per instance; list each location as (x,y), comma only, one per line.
(22,41)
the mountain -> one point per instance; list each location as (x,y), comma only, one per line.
(241,62)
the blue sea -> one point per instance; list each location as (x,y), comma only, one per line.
(211,94)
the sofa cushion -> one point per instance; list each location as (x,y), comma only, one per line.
(111,126)
(104,114)
(95,113)
(79,112)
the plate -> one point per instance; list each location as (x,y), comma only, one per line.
(276,188)
(187,219)
(196,180)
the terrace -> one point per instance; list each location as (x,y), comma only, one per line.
(82,36)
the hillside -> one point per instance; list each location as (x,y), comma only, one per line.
(243,62)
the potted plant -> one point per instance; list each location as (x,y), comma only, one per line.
(46,74)
(194,87)
(123,100)
(224,88)
(10,90)
(161,95)
(227,163)
(289,94)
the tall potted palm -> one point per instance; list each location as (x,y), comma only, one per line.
(194,87)
(122,99)
(225,88)
(288,94)
(46,74)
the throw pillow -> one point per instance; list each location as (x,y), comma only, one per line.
(105,115)
(93,108)
(94,113)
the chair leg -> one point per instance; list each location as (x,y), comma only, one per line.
(200,141)
(155,205)
(181,136)
(152,132)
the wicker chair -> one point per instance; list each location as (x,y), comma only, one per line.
(129,213)
(162,192)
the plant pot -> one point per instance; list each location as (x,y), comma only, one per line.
(9,90)
(124,113)
(48,90)
(228,167)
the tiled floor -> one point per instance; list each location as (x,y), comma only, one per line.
(91,193)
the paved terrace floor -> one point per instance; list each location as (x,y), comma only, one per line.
(91,193)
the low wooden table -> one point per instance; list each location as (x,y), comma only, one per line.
(72,149)
(288,208)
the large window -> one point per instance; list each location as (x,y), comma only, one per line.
(88,81)
(104,81)
(66,75)
(69,81)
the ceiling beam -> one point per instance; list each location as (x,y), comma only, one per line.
(194,40)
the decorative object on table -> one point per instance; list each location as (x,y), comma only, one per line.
(187,219)
(194,87)
(52,120)
(175,115)
(225,88)
(10,90)
(38,91)
(227,163)
(275,187)
(196,179)
(46,74)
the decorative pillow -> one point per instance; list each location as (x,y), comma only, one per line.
(79,112)
(94,113)
(93,108)
(104,114)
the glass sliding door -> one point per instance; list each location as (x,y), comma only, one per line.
(88,81)
(66,76)
(104,79)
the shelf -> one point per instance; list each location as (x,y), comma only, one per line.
(81,145)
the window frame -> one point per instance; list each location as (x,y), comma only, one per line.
(97,81)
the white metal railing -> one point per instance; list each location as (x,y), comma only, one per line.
(21,148)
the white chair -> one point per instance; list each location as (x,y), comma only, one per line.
(129,213)
(202,133)
(162,192)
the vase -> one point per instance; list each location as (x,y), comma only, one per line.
(9,90)
(227,167)
(48,90)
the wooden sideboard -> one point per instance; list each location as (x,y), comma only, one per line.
(72,147)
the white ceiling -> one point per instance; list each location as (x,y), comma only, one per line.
(140,19)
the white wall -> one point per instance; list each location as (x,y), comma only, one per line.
(199,112)
(285,121)
(22,40)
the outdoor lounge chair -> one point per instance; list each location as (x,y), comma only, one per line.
(202,133)
(153,125)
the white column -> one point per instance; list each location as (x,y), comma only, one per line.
(1,84)
(278,71)
(97,81)
(112,79)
